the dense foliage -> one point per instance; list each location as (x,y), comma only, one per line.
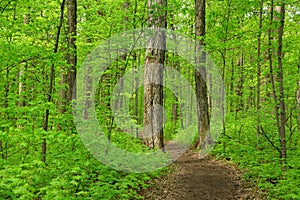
(28,33)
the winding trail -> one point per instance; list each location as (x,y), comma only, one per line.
(196,179)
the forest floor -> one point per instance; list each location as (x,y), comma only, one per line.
(196,179)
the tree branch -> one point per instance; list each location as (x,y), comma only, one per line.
(262,130)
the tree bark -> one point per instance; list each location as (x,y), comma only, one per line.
(153,75)
(68,74)
(283,118)
(72,49)
(200,73)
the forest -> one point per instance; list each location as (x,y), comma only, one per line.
(99,99)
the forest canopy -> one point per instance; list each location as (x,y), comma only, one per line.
(254,45)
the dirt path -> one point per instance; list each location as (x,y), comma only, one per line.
(197,179)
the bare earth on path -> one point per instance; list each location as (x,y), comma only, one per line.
(197,179)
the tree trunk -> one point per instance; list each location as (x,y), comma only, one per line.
(200,73)
(68,75)
(258,126)
(283,119)
(4,129)
(298,95)
(121,64)
(240,85)
(153,75)
(50,90)
(231,105)
(136,58)
(270,55)
(72,49)
(298,102)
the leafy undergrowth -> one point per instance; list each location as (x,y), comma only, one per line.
(70,173)
(261,166)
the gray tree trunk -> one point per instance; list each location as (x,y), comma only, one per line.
(153,75)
